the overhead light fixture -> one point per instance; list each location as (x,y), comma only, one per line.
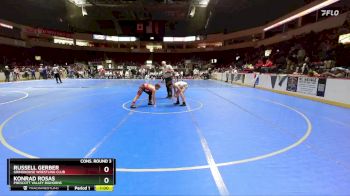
(115,38)
(203,3)
(99,37)
(180,39)
(63,40)
(6,26)
(83,11)
(192,11)
(302,13)
(79,3)
(112,38)
(190,38)
(168,39)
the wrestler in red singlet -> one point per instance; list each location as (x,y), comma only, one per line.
(150,90)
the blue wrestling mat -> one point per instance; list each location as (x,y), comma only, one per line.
(228,140)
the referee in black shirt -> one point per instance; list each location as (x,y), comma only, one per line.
(168,77)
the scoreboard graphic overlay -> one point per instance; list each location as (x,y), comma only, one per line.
(85,174)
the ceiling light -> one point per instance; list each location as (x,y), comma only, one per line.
(6,26)
(302,13)
(83,11)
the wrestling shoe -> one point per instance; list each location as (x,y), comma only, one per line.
(133,106)
(183,104)
(177,103)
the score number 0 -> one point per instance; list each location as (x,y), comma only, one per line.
(106,179)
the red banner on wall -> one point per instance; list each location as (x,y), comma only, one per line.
(40,31)
(139,27)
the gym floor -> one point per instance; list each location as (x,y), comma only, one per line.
(228,140)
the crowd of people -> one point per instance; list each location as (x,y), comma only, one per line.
(77,71)
(314,54)
(45,72)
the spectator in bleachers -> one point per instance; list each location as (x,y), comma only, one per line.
(7,73)
(16,72)
(259,64)
(32,71)
(41,72)
(268,66)
(336,72)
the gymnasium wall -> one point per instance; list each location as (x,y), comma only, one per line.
(327,90)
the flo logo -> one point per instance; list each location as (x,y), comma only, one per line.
(330,12)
